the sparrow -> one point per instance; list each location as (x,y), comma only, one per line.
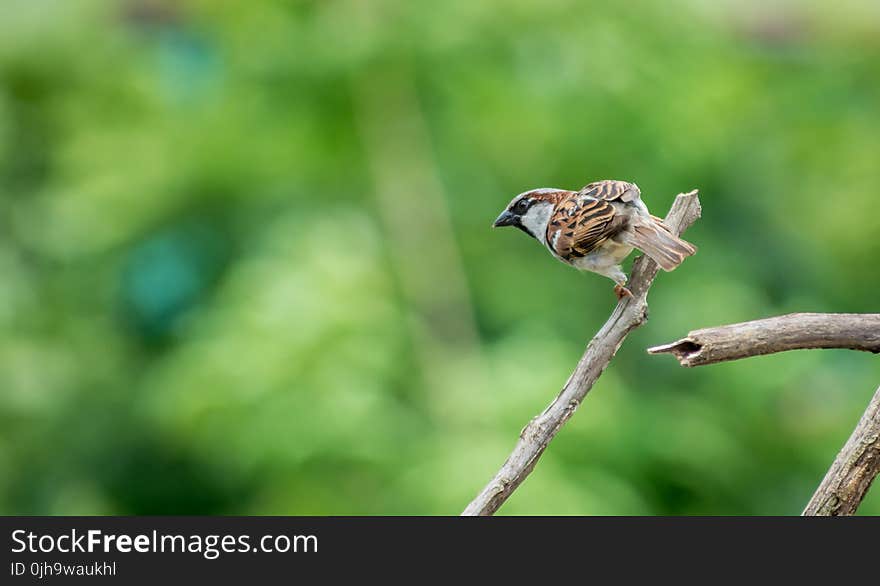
(596,228)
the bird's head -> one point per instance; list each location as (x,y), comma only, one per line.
(531,211)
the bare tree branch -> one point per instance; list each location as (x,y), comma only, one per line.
(854,469)
(795,331)
(629,314)
(858,463)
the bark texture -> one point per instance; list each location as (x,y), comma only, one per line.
(796,331)
(850,476)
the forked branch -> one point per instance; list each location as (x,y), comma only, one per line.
(630,313)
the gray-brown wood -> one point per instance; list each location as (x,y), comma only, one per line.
(795,331)
(630,313)
(858,463)
(854,469)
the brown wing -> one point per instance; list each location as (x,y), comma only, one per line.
(611,190)
(579,225)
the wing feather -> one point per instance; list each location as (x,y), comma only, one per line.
(580,224)
(611,190)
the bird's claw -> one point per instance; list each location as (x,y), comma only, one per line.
(622,292)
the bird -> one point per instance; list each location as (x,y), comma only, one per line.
(596,228)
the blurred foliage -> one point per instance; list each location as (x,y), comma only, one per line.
(246,264)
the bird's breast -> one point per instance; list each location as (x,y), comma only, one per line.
(607,254)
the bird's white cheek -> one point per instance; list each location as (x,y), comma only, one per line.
(536,220)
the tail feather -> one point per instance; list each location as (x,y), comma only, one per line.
(654,239)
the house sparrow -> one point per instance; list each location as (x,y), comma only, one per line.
(595,228)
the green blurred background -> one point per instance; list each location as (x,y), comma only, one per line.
(246,264)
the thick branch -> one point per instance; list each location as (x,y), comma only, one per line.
(854,469)
(795,331)
(629,314)
(858,463)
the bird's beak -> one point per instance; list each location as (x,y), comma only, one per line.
(505,219)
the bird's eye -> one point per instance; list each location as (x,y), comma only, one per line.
(521,207)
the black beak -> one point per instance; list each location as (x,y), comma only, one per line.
(506,219)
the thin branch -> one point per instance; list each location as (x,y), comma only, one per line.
(629,314)
(796,331)
(854,469)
